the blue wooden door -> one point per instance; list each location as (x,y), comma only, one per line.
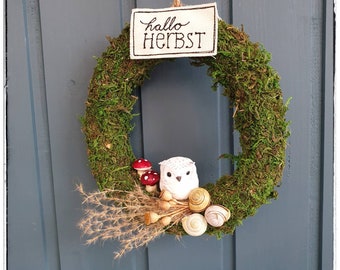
(50,49)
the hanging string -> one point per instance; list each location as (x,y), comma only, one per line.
(177,3)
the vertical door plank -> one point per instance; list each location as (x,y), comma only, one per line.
(73,33)
(327,137)
(182,116)
(201,253)
(32,232)
(285,235)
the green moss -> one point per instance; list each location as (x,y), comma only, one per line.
(252,85)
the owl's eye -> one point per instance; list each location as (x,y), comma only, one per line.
(188,172)
(169,174)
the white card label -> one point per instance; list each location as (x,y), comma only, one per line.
(186,31)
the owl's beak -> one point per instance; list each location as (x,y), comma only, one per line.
(178,178)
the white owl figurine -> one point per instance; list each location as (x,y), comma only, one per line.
(178,176)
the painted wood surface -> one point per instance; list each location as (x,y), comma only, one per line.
(51,47)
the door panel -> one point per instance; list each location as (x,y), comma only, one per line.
(50,51)
(296,214)
(182,116)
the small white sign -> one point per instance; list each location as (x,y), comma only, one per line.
(186,31)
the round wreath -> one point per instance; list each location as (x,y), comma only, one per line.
(252,86)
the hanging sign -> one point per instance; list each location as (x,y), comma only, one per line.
(186,31)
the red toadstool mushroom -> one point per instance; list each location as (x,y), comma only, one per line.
(141,165)
(150,179)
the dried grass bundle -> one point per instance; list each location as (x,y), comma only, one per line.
(124,215)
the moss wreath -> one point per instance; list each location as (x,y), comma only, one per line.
(252,86)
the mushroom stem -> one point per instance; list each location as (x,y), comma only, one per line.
(141,172)
(150,188)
